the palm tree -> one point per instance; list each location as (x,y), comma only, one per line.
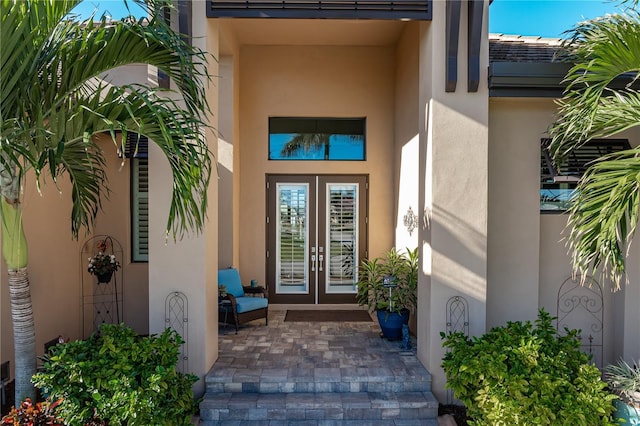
(605,207)
(53,103)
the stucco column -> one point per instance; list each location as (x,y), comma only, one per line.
(454,196)
(631,294)
(226,170)
(189,265)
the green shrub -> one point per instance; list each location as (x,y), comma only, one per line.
(119,378)
(524,374)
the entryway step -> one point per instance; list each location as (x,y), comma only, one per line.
(419,422)
(320,407)
(412,378)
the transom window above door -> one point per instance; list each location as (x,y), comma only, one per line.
(331,139)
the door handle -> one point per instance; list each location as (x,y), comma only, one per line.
(313,263)
(320,259)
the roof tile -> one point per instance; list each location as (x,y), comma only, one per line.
(517,48)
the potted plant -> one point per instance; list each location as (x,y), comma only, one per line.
(625,383)
(388,285)
(103,266)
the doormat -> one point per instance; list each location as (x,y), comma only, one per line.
(327,316)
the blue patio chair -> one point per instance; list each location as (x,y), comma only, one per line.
(237,305)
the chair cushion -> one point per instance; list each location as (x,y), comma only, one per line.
(246,304)
(231,279)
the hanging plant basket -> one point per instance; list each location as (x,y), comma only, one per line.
(105,277)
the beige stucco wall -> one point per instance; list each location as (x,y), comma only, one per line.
(454,181)
(627,335)
(527,256)
(115,220)
(228,155)
(515,129)
(313,81)
(57,268)
(54,267)
(188,265)
(407,129)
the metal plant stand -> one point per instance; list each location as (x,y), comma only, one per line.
(458,315)
(102,302)
(457,321)
(176,317)
(581,306)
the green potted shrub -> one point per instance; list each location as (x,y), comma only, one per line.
(389,285)
(625,383)
(526,374)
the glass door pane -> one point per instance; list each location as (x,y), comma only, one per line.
(342,244)
(292,234)
(316,236)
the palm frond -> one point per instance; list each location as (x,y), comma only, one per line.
(58,103)
(96,48)
(601,100)
(604,50)
(85,165)
(615,113)
(125,109)
(604,215)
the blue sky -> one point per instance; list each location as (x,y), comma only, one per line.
(115,8)
(547,18)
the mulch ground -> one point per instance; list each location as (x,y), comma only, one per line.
(458,412)
(7,402)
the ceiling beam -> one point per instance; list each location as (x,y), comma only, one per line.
(452,28)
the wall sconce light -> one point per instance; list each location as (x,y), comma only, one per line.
(410,220)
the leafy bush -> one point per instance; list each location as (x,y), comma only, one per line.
(119,378)
(38,414)
(524,374)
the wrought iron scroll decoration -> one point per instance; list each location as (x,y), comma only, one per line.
(410,220)
(176,309)
(457,312)
(581,306)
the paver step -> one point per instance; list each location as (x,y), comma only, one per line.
(296,380)
(363,407)
(418,422)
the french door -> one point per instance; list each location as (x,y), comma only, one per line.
(316,237)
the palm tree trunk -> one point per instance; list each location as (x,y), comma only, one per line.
(15,253)
(24,338)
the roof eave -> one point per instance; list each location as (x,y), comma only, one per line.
(527,79)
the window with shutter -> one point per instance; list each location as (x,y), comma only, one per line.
(137,149)
(559,181)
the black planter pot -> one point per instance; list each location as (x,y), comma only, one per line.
(105,277)
(391,323)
